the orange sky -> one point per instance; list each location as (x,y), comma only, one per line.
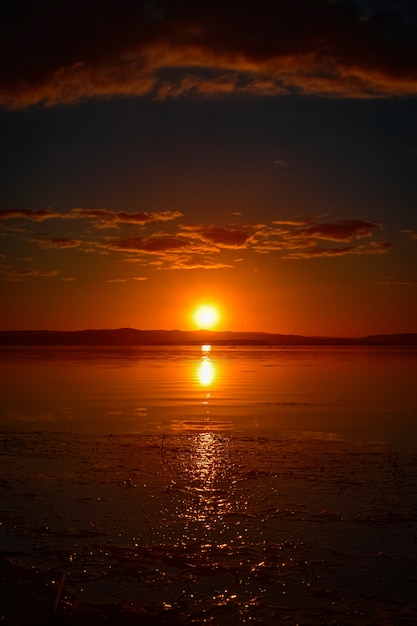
(261,161)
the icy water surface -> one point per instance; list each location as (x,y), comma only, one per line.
(197,486)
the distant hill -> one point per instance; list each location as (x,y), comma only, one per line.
(132,337)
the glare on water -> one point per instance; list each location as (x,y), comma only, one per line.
(335,392)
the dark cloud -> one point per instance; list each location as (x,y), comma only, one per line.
(102,218)
(13,274)
(341,231)
(150,245)
(208,246)
(315,250)
(192,262)
(62,52)
(230,237)
(58,242)
(36,215)
(108,219)
(294,241)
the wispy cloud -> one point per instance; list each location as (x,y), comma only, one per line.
(149,245)
(209,246)
(57,242)
(36,215)
(411,234)
(192,262)
(391,282)
(101,218)
(13,274)
(222,237)
(346,230)
(315,251)
(211,48)
(303,239)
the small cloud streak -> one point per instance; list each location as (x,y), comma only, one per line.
(57,242)
(101,218)
(193,262)
(390,282)
(12,274)
(410,234)
(149,245)
(36,215)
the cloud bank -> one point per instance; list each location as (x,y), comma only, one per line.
(67,51)
(188,246)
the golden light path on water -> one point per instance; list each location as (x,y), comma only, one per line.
(208,471)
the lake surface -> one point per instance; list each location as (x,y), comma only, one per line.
(365,394)
(195,486)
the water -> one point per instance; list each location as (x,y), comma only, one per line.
(354,393)
(208,486)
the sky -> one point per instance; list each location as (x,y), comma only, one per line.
(259,157)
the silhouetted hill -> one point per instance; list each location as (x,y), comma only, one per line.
(132,337)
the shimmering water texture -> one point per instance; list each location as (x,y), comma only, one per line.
(361,394)
(206,528)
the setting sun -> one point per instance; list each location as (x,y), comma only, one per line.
(206,316)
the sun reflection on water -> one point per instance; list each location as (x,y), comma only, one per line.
(206,372)
(208,481)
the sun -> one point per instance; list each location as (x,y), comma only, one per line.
(206,316)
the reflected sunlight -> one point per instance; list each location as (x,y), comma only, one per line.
(206,373)
(209,475)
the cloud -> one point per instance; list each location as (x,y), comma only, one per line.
(36,215)
(389,282)
(64,52)
(58,242)
(193,262)
(346,230)
(140,278)
(316,251)
(410,233)
(108,219)
(150,245)
(102,218)
(291,222)
(209,246)
(230,237)
(13,274)
(295,240)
